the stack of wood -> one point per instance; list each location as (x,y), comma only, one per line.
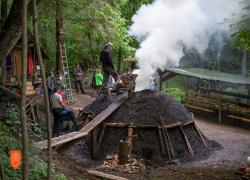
(112,164)
(30,88)
(127,81)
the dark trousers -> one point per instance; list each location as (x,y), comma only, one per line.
(79,86)
(68,114)
(57,121)
(109,71)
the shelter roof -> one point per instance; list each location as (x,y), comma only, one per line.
(211,75)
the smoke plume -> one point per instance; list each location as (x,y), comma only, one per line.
(164,27)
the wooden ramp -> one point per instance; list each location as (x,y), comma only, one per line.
(86,129)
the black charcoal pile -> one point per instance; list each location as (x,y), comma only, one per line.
(148,108)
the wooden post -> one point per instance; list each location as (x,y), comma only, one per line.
(123,151)
(186,88)
(94,143)
(220,107)
(100,138)
(130,139)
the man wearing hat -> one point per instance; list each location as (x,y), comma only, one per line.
(107,65)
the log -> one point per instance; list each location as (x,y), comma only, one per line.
(190,149)
(105,175)
(169,141)
(123,151)
(130,138)
(101,137)
(94,144)
(166,141)
(200,135)
(163,151)
(187,123)
(124,125)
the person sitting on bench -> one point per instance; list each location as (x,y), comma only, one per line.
(60,111)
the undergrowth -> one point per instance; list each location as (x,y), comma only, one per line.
(10,139)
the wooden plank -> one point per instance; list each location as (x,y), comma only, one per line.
(199,108)
(60,139)
(86,129)
(103,115)
(105,175)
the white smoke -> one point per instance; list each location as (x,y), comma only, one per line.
(166,26)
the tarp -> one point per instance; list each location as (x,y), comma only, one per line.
(30,63)
(212,75)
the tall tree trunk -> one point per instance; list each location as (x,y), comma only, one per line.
(12,29)
(46,96)
(59,35)
(25,165)
(4,12)
(244,63)
(3,71)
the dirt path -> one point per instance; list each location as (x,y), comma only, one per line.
(235,140)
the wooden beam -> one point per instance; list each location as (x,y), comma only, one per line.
(105,175)
(196,107)
(167,76)
(190,149)
(60,139)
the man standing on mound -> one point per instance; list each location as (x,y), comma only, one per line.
(107,66)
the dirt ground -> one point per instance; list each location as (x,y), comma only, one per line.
(223,164)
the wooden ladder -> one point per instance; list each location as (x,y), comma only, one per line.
(66,75)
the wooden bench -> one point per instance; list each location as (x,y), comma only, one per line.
(199,108)
(239,118)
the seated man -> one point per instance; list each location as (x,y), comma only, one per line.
(60,111)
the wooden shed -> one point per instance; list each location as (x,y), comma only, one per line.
(14,67)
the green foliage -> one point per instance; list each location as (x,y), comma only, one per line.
(10,139)
(176,93)
(39,170)
(174,87)
(88,26)
(242,28)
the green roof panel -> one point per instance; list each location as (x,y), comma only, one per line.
(212,75)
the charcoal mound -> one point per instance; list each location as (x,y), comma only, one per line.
(150,108)
(101,103)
